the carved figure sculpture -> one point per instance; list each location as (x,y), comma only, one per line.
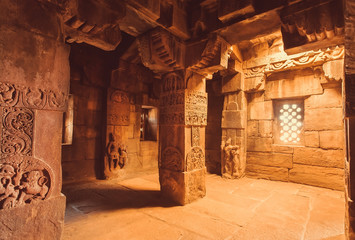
(231,167)
(116,153)
(19,186)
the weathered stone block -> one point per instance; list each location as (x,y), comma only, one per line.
(261,111)
(233,119)
(254,84)
(183,187)
(270,159)
(292,84)
(267,172)
(253,128)
(332,139)
(319,157)
(323,119)
(42,220)
(265,128)
(232,83)
(331,98)
(311,139)
(332,178)
(282,149)
(259,144)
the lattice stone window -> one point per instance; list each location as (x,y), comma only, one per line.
(289,122)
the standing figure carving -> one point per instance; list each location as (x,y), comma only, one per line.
(116,153)
(231,166)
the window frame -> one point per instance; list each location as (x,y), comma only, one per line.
(278,104)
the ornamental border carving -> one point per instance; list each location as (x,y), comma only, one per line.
(16,132)
(12,95)
(296,61)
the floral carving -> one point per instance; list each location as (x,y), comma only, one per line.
(23,180)
(195,159)
(17,132)
(172,159)
(20,96)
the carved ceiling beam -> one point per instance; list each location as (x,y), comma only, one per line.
(310,24)
(95,22)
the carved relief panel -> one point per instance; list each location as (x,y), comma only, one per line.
(17,131)
(24,180)
(171,159)
(195,108)
(118,108)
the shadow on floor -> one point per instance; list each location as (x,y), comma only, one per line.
(107,198)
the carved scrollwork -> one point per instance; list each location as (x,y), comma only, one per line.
(172,159)
(195,136)
(295,61)
(24,180)
(12,95)
(195,159)
(17,132)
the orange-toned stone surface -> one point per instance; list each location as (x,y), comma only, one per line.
(242,209)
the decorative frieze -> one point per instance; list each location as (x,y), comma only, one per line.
(17,132)
(12,95)
(306,59)
(24,180)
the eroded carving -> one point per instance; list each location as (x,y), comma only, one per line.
(231,166)
(20,96)
(116,154)
(23,180)
(195,159)
(195,136)
(172,159)
(17,132)
(195,108)
(118,108)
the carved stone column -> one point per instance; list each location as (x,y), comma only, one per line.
(183,118)
(234,120)
(118,120)
(34,84)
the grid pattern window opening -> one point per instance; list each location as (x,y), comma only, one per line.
(291,122)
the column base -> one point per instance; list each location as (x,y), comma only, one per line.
(38,221)
(183,187)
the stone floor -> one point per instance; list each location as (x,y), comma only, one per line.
(233,209)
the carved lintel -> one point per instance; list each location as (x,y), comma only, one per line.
(310,58)
(24,180)
(12,95)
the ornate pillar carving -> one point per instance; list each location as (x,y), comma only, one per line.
(34,86)
(183,117)
(183,107)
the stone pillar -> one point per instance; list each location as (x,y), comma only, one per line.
(34,84)
(183,119)
(118,120)
(234,120)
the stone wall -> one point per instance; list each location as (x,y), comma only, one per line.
(318,158)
